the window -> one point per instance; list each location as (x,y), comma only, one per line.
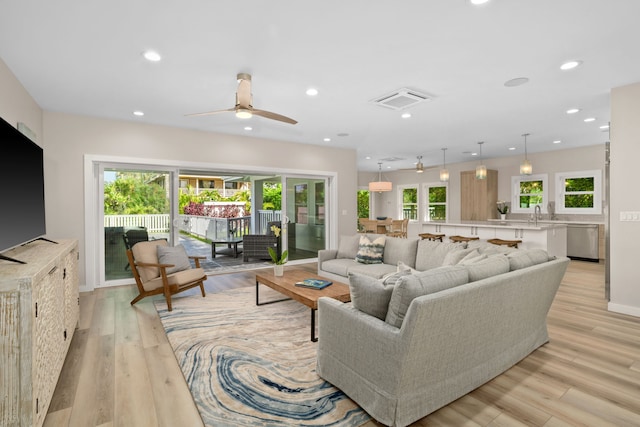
(529,191)
(436,202)
(409,202)
(363,204)
(579,192)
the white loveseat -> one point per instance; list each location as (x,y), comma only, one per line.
(403,351)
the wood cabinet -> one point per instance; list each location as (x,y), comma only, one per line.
(39,311)
(478,197)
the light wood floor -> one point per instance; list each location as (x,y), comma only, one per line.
(121,371)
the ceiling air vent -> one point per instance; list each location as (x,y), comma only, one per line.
(401,99)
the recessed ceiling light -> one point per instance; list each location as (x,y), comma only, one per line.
(406,115)
(604,127)
(138,113)
(327,140)
(557,141)
(312,91)
(570,65)
(368,158)
(518,81)
(512,148)
(247,128)
(572,110)
(477,2)
(152,55)
(590,119)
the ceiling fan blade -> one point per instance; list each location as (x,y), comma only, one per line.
(208,113)
(273,116)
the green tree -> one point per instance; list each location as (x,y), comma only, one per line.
(363,203)
(134,194)
(272,196)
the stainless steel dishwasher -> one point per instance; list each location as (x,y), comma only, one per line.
(582,241)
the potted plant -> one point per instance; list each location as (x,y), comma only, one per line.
(503,208)
(278,268)
(279,262)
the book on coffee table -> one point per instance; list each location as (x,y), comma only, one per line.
(314,283)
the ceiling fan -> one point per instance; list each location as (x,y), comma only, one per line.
(244,108)
(419,166)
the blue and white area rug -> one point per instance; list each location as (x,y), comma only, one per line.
(249,365)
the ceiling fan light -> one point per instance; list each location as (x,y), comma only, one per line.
(243,113)
(444,175)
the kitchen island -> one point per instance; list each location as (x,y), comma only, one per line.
(549,236)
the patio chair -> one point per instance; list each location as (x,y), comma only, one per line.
(256,245)
(162,269)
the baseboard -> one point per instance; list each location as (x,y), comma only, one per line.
(624,309)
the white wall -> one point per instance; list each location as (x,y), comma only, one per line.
(16,105)
(625,152)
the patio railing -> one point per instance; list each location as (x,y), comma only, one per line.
(201,226)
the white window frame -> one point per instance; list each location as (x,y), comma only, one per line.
(597,192)
(515,192)
(425,205)
(401,189)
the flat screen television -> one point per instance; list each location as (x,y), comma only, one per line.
(22,214)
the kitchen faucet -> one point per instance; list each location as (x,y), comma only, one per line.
(538,213)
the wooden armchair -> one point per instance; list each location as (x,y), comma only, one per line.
(162,269)
(368,225)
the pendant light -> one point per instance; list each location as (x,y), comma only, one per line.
(481,169)
(380,185)
(525,166)
(444,173)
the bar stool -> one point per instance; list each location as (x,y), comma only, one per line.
(458,239)
(431,236)
(508,243)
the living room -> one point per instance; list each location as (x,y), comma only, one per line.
(74,141)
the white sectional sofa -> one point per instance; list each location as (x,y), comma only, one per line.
(406,347)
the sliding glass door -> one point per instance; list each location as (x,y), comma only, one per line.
(136,206)
(305,207)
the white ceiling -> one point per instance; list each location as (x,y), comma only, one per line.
(85,57)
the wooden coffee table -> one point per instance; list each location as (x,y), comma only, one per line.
(286,285)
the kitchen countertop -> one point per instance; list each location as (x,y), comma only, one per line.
(505,224)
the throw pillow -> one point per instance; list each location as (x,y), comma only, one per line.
(491,266)
(454,257)
(370,251)
(424,283)
(393,278)
(176,255)
(369,295)
(404,267)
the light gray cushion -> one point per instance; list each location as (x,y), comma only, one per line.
(348,246)
(488,267)
(526,258)
(427,282)
(369,295)
(453,257)
(431,254)
(472,258)
(401,250)
(176,255)
(370,250)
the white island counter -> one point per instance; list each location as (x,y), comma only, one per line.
(549,236)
